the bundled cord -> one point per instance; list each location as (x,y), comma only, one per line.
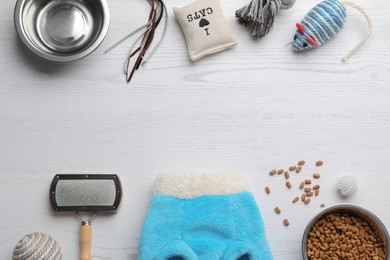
(142,44)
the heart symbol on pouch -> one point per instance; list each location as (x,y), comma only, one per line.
(203,22)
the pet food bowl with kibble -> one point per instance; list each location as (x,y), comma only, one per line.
(350,210)
(61,30)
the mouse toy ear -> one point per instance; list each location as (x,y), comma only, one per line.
(300,28)
(311,40)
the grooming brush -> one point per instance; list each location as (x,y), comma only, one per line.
(91,193)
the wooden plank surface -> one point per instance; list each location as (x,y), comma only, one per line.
(252,108)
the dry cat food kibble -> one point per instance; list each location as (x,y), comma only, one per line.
(322,205)
(286,222)
(319,163)
(292,181)
(343,236)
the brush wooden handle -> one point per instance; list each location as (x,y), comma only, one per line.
(85,242)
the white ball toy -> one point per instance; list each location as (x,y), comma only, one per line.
(37,246)
(347,185)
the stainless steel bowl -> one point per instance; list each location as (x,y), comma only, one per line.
(61,30)
(354,210)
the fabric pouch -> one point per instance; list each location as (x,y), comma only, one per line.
(204,27)
(203,217)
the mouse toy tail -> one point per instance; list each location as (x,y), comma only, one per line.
(366,37)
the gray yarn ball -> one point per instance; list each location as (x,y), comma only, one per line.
(37,246)
(287,4)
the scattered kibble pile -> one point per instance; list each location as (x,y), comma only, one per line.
(343,236)
(308,191)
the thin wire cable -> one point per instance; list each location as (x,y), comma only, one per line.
(160,16)
(145,43)
(162,37)
(126,37)
(126,68)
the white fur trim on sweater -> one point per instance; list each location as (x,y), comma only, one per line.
(189,186)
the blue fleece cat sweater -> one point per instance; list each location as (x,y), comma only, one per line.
(193,217)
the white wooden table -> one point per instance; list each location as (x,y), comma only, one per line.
(255,107)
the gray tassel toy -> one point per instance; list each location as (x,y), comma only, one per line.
(259,15)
